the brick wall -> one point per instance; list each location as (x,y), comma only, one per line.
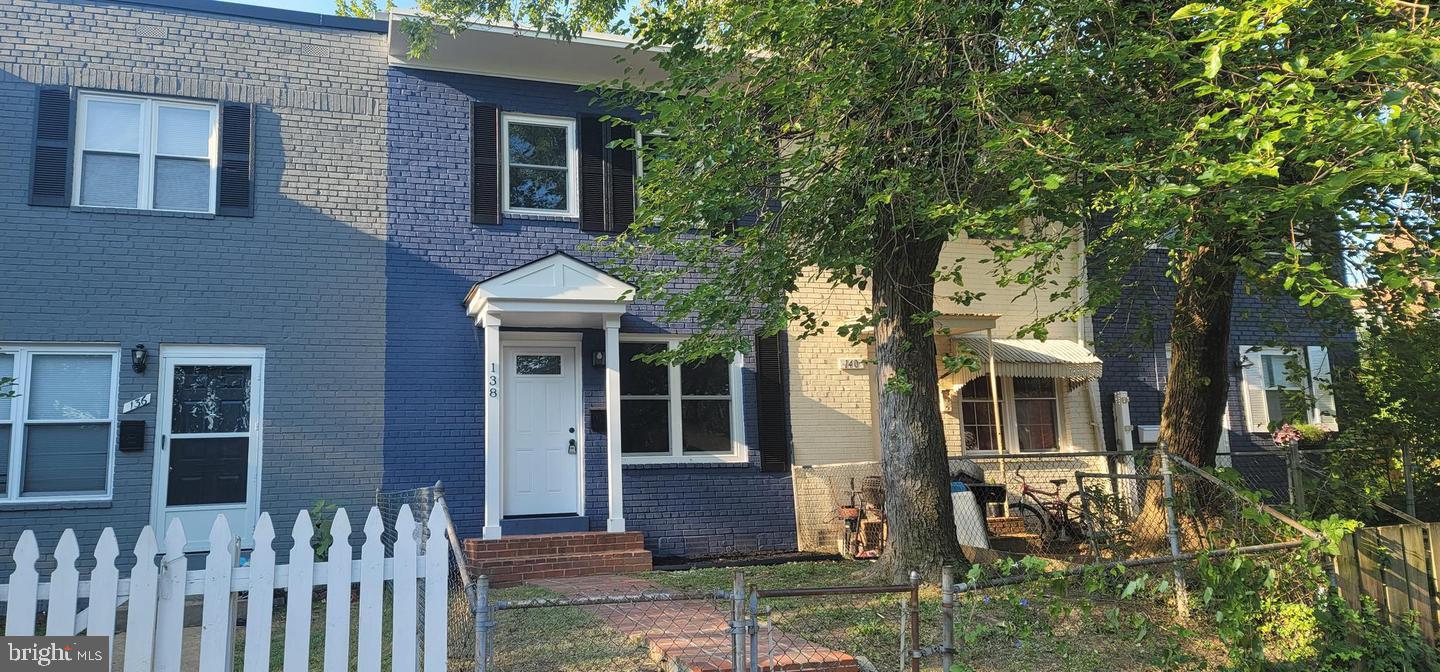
(1131,337)
(434,409)
(304,277)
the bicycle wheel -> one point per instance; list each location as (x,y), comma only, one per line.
(1037,522)
(1077,520)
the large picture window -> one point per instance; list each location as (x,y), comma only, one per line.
(683,412)
(539,172)
(145,153)
(57,432)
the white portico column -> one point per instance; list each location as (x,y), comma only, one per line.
(493,413)
(616,521)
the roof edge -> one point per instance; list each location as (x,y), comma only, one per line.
(290,16)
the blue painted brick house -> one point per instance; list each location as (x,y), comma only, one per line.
(1271,340)
(465,224)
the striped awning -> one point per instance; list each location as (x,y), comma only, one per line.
(1028,358)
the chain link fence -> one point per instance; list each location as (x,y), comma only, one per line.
(1369,484)
(461,618)
(1086,528)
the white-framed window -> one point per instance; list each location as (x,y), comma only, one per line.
(1286,385)
(691,412)
(541,171)
(145,153)
(1031,414)
(58,431)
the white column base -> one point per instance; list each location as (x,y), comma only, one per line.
(490,532)
(615,525)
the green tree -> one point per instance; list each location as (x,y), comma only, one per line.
(1270,142)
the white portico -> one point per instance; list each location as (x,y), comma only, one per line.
(534,415)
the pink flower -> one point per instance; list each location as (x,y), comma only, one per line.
(1286,435)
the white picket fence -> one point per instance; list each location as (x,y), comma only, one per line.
(156,595)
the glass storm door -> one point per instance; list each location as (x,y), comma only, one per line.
(209,431)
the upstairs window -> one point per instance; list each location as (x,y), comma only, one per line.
(539,165)
(145,153)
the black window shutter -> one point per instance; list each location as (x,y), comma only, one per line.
(770,403)
(594,205)
(50,169)
(622,180)
(484,164)
(235,195)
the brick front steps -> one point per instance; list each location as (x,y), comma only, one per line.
(517,559)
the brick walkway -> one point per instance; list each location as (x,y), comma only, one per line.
(694,635)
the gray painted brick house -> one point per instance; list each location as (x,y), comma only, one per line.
(220,201)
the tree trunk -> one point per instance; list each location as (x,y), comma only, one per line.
(912,438)
(1199,380)
(1198,383)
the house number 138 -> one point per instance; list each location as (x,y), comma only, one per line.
(494,382)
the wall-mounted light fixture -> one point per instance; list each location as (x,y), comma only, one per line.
(139,357)
(597,359)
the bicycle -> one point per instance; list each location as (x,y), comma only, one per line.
(1047,515)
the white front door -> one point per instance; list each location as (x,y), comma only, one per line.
(209,429)
(542,430)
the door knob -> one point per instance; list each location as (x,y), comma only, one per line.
(573,449)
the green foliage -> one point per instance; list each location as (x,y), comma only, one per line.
(365,9)
(7,387)
(322,514)
(564,18)
(1389,400)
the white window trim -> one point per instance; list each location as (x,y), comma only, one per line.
(149,144)
(1010,429)
(1257,354)
(19,413)
(739,451)
(572,169)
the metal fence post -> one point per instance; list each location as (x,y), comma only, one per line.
(754,625)
(737,621)
(483,623)
(1297,479)
(947,618)
(1182,599)
(914,612)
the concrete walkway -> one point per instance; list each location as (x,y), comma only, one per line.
(694,635)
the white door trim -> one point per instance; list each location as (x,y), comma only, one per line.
(253,356)
(545,339)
